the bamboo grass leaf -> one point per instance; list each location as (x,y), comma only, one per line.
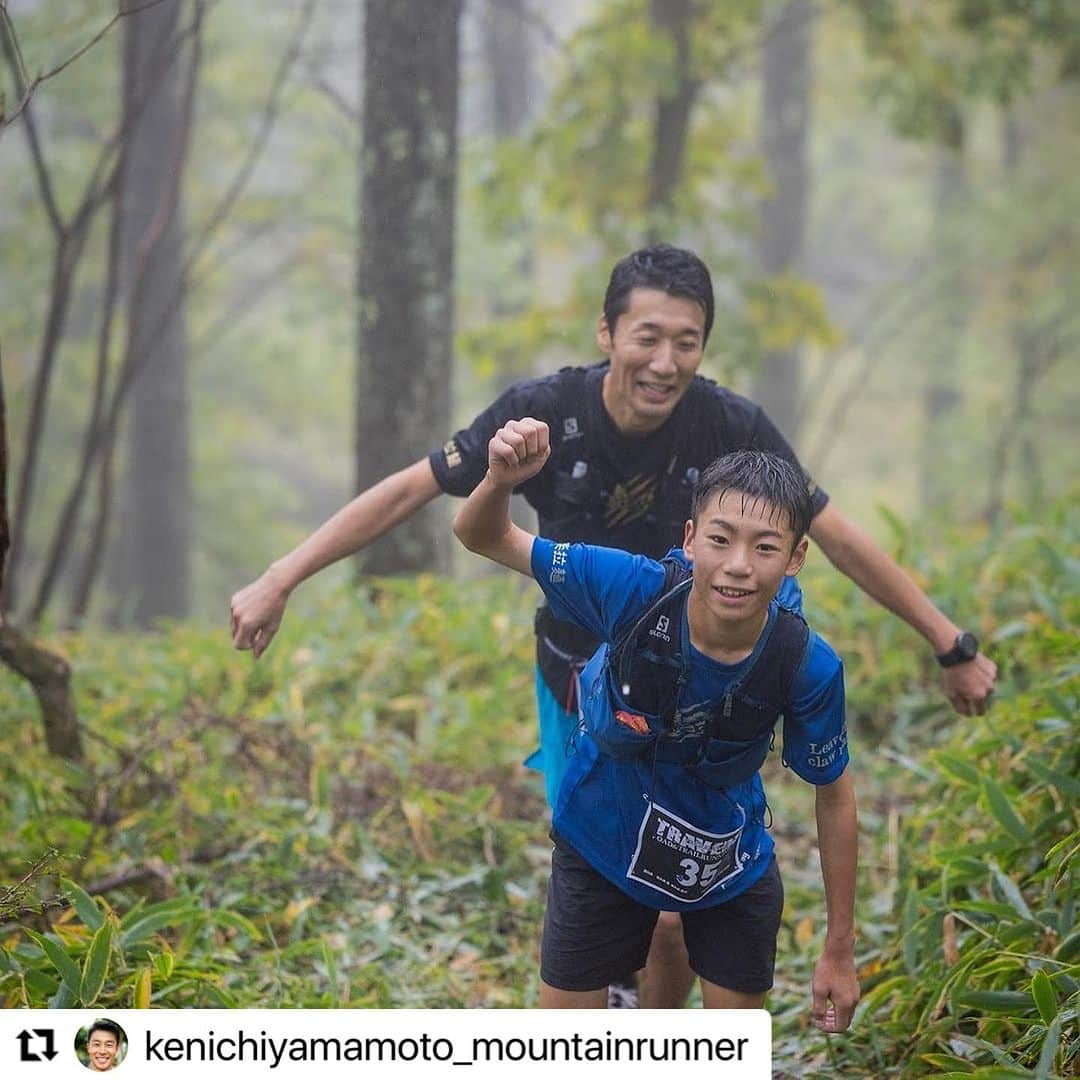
(1044,1069)
(1042,990)
(69,970)
(63,998)
(140,994)
(1067,785)
(96,964)
(1011,892)
(84,905)
(151,922)
(1001,808)
(1013,1002)
(1069,949)
(958,768)
(949,1061)
(139,912)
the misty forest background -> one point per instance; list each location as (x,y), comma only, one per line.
(258,254)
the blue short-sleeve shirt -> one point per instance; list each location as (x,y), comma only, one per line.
(663,836)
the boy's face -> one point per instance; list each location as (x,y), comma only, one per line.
(655,350)
(741,549)
(102,1047)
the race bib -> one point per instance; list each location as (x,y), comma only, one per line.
(681,860)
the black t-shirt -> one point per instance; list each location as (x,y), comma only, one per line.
(603,487)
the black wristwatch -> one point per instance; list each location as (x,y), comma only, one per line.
(965,648)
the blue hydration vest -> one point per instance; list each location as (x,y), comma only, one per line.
(644,674)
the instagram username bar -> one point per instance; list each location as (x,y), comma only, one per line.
(268,1049)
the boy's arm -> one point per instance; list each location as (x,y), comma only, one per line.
(835,984)
(854,553)
(516,453)
(257,609)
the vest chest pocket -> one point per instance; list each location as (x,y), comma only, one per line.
(573,486)
(574,508)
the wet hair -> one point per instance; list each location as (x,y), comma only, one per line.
(758,476)
(673,270)
(108,1026)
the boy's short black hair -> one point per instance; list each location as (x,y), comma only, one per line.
(757,475)
(109,1026)
(673,270)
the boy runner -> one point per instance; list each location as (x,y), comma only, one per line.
(662,805)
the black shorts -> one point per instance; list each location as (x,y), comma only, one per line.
(596,935)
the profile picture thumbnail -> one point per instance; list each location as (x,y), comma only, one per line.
(101,1046)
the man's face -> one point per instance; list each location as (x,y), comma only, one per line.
(102,1047)
(655,351)
(741,549)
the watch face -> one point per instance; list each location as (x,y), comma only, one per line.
(967,645)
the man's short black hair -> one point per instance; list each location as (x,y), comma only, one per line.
(673,270)
(761,476)
(109,1026)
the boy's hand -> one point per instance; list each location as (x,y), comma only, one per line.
(835,990)
(517,452)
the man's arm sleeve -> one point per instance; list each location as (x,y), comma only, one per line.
(462,461)
(766,436)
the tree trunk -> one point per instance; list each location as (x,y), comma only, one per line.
(942,394)
(1016,427)
(152,551)
(508,43)
(5,529)
(408,171)
(785,126)
(672,124)
(47,673)
(50,676)
(69,240)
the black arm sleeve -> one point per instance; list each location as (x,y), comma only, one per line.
(462,462)
(766,436)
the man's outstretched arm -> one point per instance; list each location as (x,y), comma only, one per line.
(257,609)
(835,985)
(853,552)
(516,453)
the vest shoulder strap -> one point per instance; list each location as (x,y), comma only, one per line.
(570,396)
(646,661)
(770,682)
(668,601)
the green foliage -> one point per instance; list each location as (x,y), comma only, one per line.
(931,58)
(345,823)
(581,181)
(972,965)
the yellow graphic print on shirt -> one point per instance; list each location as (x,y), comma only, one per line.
(630,500)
